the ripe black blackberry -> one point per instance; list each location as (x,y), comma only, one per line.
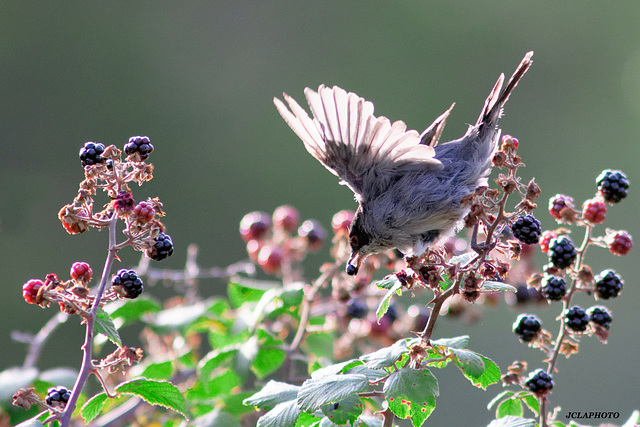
(162,248)
(138,144)
(613,185)
(527,229)
(576,318)
(539,382)
(600,316)
(554,288)
(90,154)
(562,252)
(608,284)
(357,309)
(129,282)
(526,327)
(58,396)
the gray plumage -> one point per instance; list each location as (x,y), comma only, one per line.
(407,187)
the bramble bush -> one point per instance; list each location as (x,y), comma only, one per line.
(290,351)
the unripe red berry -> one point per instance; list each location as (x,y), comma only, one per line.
(255,226)
(619,242)
(270,259)
(558,204)
(313,233)
(594,211)
(124,202)
(144,212)
(341,222)
(253,248)
(545,239)
(286,218)
(30,290)
(81,271)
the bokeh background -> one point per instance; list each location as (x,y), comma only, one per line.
(198,78)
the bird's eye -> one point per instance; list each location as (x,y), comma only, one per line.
(353,241)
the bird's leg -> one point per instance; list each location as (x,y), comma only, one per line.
(482,247)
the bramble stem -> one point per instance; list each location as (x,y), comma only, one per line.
(87,347)
(435,310)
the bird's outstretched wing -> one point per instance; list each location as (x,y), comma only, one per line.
(350,141)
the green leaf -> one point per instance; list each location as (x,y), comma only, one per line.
(386,356)
(93,406)
(532,403)
(386,300)
(215,359)
(374,375)
(499,398)
(345,411)
(336,368)
(158,371)
(239,294)
(132,309)
(271,394)
(215,418)
(178,317)
(222,384)
(246,355)
(491,374)
(510,421)
(511,406)
(411,393)
(320,344)
(492,286)
(105,326)
(316,392)
(268,360)
(160,393)
(457,342)
(30,423)
(469,362)
(387,282)
(283,414)
(306,420)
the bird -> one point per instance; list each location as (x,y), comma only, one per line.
(407,186)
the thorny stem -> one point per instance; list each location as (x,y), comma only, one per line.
(435,311)
(87,347)
(389,417)
(566,303)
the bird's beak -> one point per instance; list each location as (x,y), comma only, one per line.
(353,265)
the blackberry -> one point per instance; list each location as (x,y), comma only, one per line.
(129,281)
(554,288)
(527,229)
(608,284)
(527,327)
(357,309)
(162,248)
(576,318)
(58,396)
(90,154)
(613,185)
(138,144)
(539,382)
(600,316)
(562,252)
(314,234)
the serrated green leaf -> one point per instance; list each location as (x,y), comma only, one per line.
(387,282)
(511,406)
(283,414)
(469,362)
(158,371)
(316,392)
(386,356)
(93,407)
(532,403)
(130,310)
(510,421)
(268,360)
(386,300)
(500,397)
(306,420)
(105,326)
(239,294)
(411,393)
(345,411)
(161,393)
(215,359)
(233,403)
(374,375)
(221,384)
(491,374)
(336,368)
(456,342)
(492,286)
(272,393)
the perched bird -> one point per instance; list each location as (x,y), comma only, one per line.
(407,187)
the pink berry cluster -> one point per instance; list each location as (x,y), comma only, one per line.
(278,241)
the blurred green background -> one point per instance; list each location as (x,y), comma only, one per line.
(198,78)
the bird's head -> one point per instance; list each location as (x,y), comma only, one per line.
(361,241)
